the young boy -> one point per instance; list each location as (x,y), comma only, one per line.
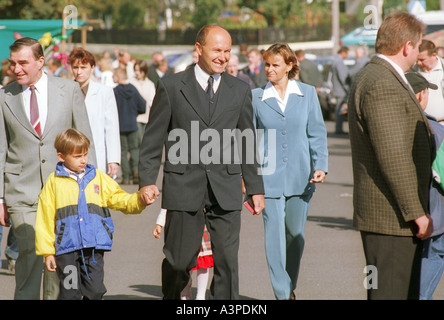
(73,224)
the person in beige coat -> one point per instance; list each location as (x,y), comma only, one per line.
(27,158)
(392,152)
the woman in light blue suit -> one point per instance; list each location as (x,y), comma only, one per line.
(292,142)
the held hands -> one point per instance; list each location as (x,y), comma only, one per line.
(318,176)
(149,194)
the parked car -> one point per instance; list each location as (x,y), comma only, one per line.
(360,36)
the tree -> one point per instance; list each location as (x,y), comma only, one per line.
(289,12)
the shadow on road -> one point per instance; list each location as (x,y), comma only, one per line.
(338,223)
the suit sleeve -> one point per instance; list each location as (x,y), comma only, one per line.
(386,118)
(317,133)
(81,120)
(150,154)
(3,146)
(251,173)
(112,132)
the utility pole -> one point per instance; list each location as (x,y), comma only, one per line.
(335,25)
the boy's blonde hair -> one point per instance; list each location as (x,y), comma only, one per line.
(71,141)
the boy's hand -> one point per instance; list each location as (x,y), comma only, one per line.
(50,263)
(157,231)
(149,194)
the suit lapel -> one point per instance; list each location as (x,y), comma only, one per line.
(270,103)
(293,99)
(55,101)
(14,101)
(188,90)
(224,95)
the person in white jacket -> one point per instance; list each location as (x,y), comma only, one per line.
(146,89)
(102,111)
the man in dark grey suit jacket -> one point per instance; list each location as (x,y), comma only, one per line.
(27,157)
(340,83)
(392,152)
(201,187)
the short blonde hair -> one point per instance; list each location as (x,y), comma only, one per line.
(71,141)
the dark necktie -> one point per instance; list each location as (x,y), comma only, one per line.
(35,119)
(210,91)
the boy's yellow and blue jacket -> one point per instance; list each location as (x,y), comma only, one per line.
(75,215)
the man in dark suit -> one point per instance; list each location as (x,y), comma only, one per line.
(159,68)
(340,83)
(200,187)
(255,70)
(33,110)
(392,151)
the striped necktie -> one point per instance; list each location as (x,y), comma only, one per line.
(35,119)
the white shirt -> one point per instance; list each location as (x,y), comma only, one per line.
(435,105)
(202,78)
(41,93)
(75,175)
(271,92)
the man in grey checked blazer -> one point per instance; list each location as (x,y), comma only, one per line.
(392,152)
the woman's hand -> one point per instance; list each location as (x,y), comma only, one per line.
(318,176)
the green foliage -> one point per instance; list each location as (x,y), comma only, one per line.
(206,12)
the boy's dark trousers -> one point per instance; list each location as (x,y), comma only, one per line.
(81,275)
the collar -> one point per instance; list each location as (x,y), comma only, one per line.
(40,85)
(397,68)
(202,78)
(270,91)
(438,66)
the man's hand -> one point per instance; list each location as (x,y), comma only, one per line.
(4,215)
(259,203)
(425,226)
(149,194)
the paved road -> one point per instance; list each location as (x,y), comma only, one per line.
(332,265)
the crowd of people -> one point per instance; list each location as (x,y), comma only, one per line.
(117,116)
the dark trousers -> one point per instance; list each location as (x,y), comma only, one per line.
(183,238)
(398,264)
(81,275)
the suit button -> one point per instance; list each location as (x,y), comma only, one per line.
(285,159)
(41,144)
(284,132)
(43,161)
(284,146)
